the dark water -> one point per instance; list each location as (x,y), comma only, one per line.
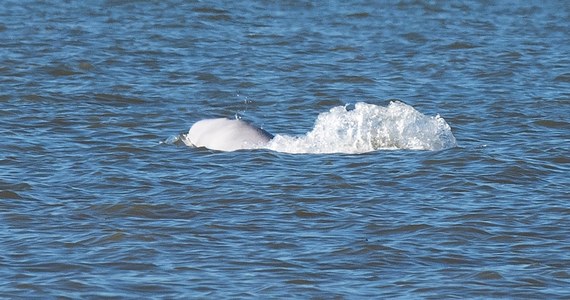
(98,198)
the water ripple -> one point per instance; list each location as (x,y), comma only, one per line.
(100,199)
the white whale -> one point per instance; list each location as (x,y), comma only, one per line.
(227,135)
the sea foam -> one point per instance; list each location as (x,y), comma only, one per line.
(369,127)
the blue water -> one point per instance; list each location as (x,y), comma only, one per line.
(100,198)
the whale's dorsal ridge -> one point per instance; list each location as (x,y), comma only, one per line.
(227,135)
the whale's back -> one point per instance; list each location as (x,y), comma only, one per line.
(227,135)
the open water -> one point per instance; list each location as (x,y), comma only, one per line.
(421,151)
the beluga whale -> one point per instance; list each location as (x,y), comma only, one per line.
(224,134)
(360,128)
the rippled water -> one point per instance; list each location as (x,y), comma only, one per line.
(99,198)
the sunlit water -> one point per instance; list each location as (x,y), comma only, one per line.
(420,150)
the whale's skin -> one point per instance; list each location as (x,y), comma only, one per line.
(227,135)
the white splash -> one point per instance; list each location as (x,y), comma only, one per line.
(369,127)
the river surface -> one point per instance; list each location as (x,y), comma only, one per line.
(421,149)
